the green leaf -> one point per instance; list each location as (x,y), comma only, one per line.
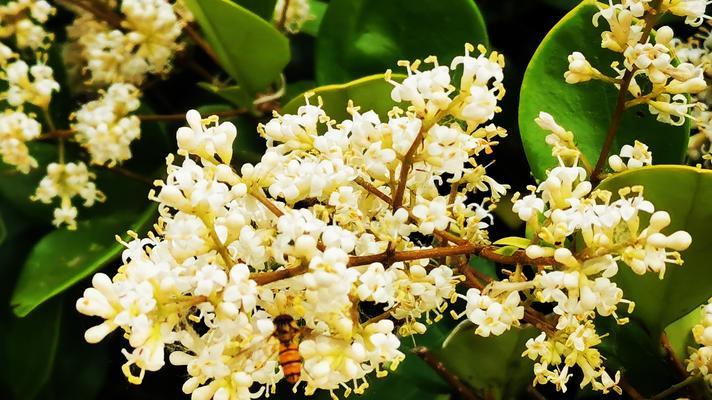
(360,37)
(250,49)
(507,250)
(493,364)
(585,108)
(234,94)
(263,8)
(684,192)
(515,241)
(29,350)
(413,379)
(81,370)
(63,257)
(368,93)
(638,355)
(317,9)
(485,266)
(679,333)
(3,230)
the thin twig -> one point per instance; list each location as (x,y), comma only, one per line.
(100,12)
(181,117)
(409,255)
(462,390)
(620,103)
(283,16)
(488,252)
(202,43)
(677,387)
(630,390)
(56,134)
(672,357)
(535,393)
(264,278)
(127,173)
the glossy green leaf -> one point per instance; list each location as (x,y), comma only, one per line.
(507,250)
(317,9)
(515,241)
(679,333)
(368,93)
(359,37)
(64,257)
(684,192)
(235,94)
(585,108)
(29,351)
(80,370)
(250,49)
(630,349)
(493,364)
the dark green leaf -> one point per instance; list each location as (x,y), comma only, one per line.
(80,371)
(63,257)
(234,94)
(413,379)
(29,350)
(684,192)
(361,37)
(250,49)
(493,364)
(369,93)
(679,333)
(263,8)
(585,108)
(638,355)
(317,9)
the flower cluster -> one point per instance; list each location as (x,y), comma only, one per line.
(16,129)
(104,127)
(22,20)
(133,39)
(321,230)
(646,60)
(700,361)
(580,235)
(143,41)
(65,181)
(697,50)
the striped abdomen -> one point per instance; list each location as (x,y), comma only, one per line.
(290,360)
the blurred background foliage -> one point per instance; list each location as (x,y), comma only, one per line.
(43,271)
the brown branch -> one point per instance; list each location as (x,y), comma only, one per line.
(620,103)
(99,11)
(632,392)
(202,43)
(408,255)
(672,357)
(127,173)
(283,16)
(264,278)
(462,390)
(259,196)
(488,252)
(56,134)
(181,117)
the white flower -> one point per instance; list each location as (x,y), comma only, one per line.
(104,127)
